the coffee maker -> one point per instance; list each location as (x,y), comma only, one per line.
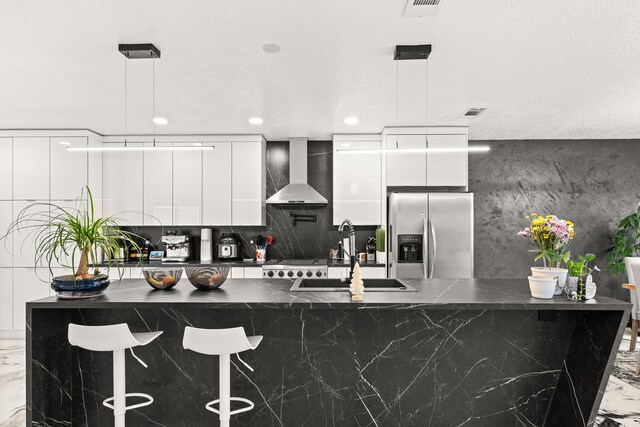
(178,247)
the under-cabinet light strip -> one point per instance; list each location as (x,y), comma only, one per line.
(415,150)
(144,148)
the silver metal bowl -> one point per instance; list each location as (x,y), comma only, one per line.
(208,277)
(162,277)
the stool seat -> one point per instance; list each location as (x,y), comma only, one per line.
(108,337)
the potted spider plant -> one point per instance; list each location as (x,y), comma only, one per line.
(74,239)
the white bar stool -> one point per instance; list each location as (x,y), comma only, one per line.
(115,338)
(223,343)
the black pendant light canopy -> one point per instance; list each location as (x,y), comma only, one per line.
(139,51)
(407,52)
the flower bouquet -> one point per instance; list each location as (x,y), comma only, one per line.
(551,236)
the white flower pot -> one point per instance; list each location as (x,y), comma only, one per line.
(542,287)
(560,274)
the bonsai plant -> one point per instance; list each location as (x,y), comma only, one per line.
(626,243)
(73,238)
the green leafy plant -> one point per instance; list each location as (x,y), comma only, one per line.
(64,234)
(580,267)
(626,242)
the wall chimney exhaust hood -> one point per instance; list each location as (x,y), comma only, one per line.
(298,191)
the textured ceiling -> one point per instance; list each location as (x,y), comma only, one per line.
(543,69)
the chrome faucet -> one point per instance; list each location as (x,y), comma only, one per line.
(352,244)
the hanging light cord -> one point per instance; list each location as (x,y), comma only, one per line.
(426,67)
(125,101)
(397,99)
(153,118)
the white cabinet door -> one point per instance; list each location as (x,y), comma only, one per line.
(158,187)
(187,187)
(216,185)
(28,285)
(236,273)
(31,168)
(6,169)
(357,193)
(135,273)
(337,272)
(122,186)
(24,240)
(248,183)
(406,169)
(6,299)
(94,176)
(68,168)
(6,244)
(253,272)
(447,169)
(373,273)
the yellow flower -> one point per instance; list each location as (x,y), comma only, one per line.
(546,236)
(549,216)
(534,214)
(569,223)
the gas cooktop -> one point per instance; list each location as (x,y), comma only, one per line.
(294,268)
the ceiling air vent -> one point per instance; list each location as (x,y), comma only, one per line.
(472,112)
(417,8)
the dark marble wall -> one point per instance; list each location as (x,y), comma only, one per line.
(306,240)
(591,182)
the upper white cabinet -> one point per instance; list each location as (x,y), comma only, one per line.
(216,185)
(157,187)
(248,183)
(447,169)
(31,168)
(406,169)
(68,168)
(357,192)
(187,187)
(415,169)
(6,169)
(122,186)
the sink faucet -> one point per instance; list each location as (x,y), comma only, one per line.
(352,244)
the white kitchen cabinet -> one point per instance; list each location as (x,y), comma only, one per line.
(6,299)
(338,272)
(135,273)
(216,185)
(68,168)
(6,169)
(236,273)
(373,273)
(28,285)
(253,272)
(187,187)
(6,244)
(24,239)
(123,186)
(248,183)
(31,168)
(357,192)
(447,169)
(94,176)
(406,169)
(158,187)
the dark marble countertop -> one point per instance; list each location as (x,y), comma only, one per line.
(341,263)
(236,263)
(483,294)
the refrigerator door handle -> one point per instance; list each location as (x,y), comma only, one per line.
(433,257)
(425,254)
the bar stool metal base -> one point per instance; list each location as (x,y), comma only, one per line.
(209,406)
(149,401)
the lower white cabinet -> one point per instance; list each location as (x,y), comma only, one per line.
(6,299)
(338,272)
(135,273)
(236,273)
(28,285)
(253,272)
(373,273)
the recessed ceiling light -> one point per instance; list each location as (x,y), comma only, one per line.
(271,48)
(65,143)
(351,120)
(160,120)
(256,121)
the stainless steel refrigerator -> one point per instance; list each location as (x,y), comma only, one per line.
(430,235)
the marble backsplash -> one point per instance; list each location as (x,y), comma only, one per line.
(591,182)
(305,240)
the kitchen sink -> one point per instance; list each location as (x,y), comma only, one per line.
(333,285)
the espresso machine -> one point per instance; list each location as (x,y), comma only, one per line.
(178,247)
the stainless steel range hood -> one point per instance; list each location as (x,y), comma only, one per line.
(297,192)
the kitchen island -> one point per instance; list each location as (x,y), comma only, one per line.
(456,352)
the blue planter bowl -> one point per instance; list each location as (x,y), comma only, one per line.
(67,287)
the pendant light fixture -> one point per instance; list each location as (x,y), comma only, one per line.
(143,51)
(404,53)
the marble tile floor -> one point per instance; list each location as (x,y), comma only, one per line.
(620,406)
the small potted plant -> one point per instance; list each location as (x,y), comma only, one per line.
(73,238)
(551,236)
(580,284)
